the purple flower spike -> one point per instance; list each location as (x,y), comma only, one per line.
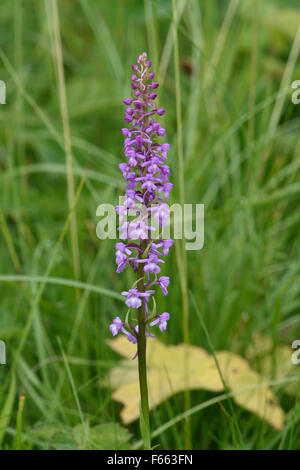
(147,188)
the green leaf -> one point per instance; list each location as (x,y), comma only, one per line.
(103,436)
(44,430)
(62,440)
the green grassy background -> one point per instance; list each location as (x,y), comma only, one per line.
(237,60)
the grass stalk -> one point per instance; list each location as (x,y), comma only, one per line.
(40,291)
(220,42)
(253,72)
(183,256)
(75,393)
(216,400)
(21,403)
(66,134)
(151,33)
(9,242)
(286,78)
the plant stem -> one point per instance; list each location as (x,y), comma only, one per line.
(17,444)
(253,73)
(183,267)
(144,418)
(66,136)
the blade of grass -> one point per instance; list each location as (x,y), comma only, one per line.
(7,407)
(104,38)
(167,50)
(253,71)
(40,291)
(213,401)
(9,242)
(220,41)
(193,107)
(151,32)
(17,443)
(236,431)
(59,168)
(286,78)
(74,390)
(66,134)
(60,281)
(183,257)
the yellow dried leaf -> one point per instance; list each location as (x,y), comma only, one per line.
(279,365)
(260,400)
(167,366)
(273,364)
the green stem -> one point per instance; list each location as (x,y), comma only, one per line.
(182,264)
(144,415)
(17,444)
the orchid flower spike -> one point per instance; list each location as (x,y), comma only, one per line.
(148,187)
